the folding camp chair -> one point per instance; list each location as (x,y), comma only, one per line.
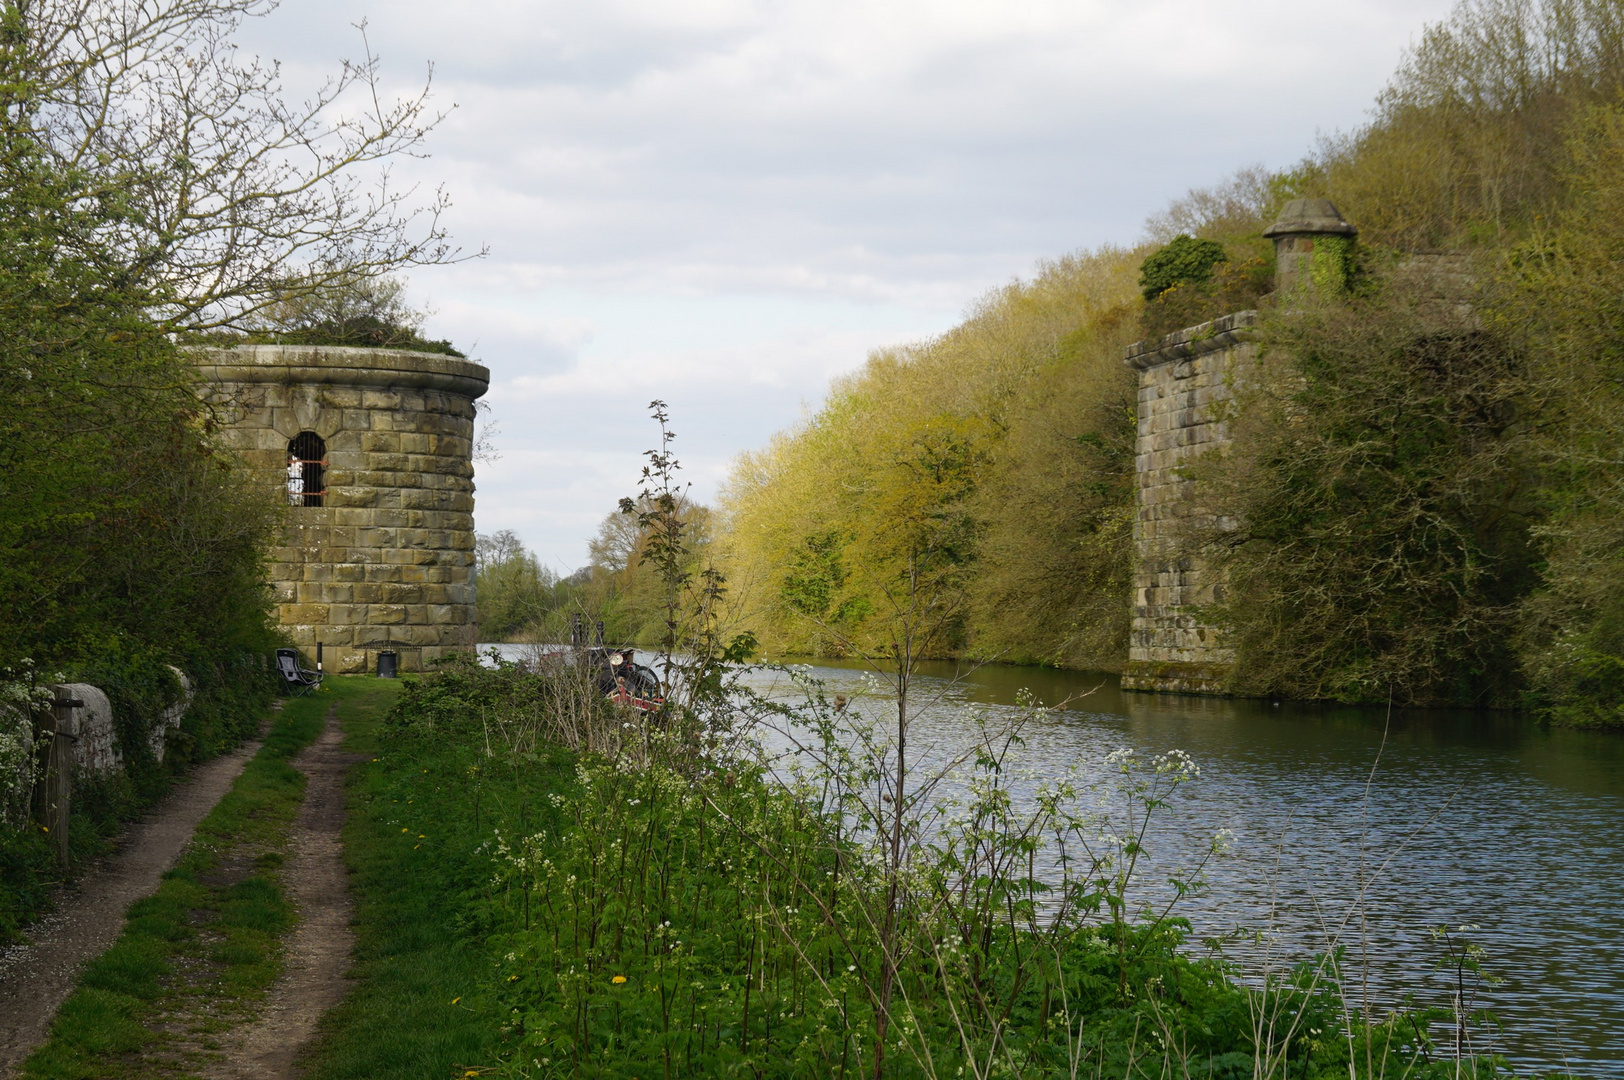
(296,678)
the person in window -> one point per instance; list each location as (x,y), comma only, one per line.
(295,480)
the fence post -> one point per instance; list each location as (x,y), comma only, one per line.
(52,796)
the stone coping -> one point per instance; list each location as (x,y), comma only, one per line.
(1193,341)
(343,365)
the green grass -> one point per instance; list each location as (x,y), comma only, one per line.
(202,950)
(414,840)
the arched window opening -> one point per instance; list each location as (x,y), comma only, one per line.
(307,469)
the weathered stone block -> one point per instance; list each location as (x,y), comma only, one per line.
(386,614)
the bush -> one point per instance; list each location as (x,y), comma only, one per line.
(1184,260)
(1381,489)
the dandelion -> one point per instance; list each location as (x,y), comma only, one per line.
(618,979)
(456,999)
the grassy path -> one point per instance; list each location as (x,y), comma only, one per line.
(37,975)
(205,980)
(419,816)
(195,958)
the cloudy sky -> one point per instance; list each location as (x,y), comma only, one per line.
(726,203)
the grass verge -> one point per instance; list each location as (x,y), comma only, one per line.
(196,956)
(419,814)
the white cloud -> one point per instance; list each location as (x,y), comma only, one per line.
(722,203)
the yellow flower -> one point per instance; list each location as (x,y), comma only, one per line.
(405,830)
(455,1000)
(618,979)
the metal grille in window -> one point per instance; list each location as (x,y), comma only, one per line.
(307,469)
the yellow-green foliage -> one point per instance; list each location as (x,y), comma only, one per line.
(1467,143)
(1561,294)
(624,588)
(1437,513)
(981,478)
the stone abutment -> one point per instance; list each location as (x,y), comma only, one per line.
(373,449)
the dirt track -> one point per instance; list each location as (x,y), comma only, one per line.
(318,952)
(36,977)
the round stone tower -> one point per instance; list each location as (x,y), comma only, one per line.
(1312,244)
(373,451)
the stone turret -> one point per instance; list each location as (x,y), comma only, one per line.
(1187,386)
(374,451)
(1312,247)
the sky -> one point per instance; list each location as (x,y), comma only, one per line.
(725,204)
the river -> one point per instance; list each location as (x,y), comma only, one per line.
(1473,819)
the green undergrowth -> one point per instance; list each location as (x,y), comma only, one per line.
(230,698)
(523,911)
(419,813)
(196,956)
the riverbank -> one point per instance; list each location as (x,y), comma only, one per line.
(596,919)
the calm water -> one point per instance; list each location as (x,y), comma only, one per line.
(1481,819)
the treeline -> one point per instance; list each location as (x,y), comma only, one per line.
(1426,473)
(992,466)
(523,600)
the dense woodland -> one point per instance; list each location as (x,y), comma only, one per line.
(1429,494)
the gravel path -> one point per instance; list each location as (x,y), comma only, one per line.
(319,950)
(36,976)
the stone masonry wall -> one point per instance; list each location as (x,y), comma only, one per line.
(1185,381)
(387,561)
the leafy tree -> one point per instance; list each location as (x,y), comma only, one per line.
(1560,297)
(1021,421)
(515,591)
(1183,260)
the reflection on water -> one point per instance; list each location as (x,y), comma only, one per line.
(1471,818)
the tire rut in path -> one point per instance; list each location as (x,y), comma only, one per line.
(36,977)
(318,951)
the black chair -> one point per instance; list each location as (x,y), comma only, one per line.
(296,678)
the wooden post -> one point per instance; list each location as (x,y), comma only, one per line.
(55,791)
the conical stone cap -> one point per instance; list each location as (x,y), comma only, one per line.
(1302,217)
